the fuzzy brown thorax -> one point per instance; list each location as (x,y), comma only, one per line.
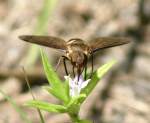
(77,51)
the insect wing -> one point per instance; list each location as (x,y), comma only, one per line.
(106,42)
(48,41)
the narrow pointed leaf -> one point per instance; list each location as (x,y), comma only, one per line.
(53,79)
(98,74)
(46,106)
(76,100)
(52,91)
(74,104)
(67,88)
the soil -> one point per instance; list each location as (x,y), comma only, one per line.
(122,96)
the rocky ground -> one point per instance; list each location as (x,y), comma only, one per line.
(121,97)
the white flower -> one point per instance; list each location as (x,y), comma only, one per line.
(76,85)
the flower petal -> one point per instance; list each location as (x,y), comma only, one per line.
(76,85)
(84,84)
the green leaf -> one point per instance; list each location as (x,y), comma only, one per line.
(56,84)
(97,75)
(54,92)
(46,106)
(76,100)
(51,90)
(22,114)
(67,88)
(74,104)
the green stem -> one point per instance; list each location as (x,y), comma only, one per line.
(76,119)
(40,29)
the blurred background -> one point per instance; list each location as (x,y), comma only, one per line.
(122,96)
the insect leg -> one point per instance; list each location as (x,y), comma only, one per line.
(64,60)
(85,71)
(73,70)
(78,72)
(92,63)
(58,63)
(85,68)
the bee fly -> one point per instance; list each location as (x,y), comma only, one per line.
(76,50)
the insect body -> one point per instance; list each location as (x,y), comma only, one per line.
(76,50)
